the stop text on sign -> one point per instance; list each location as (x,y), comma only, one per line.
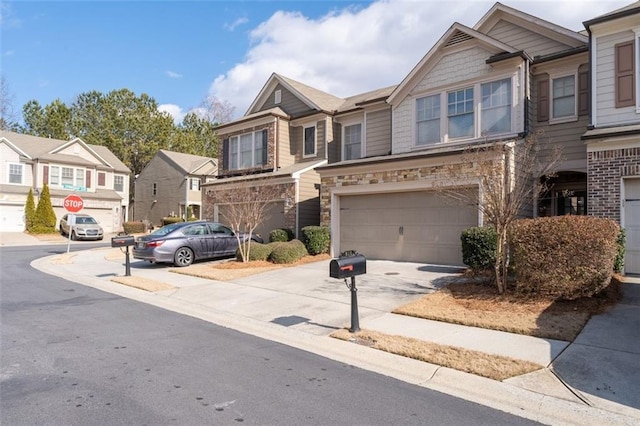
(73,203)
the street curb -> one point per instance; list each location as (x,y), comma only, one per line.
(498,395)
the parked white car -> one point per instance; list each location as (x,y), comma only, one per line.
(85,227)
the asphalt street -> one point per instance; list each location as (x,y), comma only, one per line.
(75,355)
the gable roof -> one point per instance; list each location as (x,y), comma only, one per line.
(630,9)
(501,12)
(312,97)
(39,148)
(361,100)
(187,163)
(456,34)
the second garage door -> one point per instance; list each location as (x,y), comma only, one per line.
(415,226)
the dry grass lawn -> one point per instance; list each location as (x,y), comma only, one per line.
(142,283)
(492,366)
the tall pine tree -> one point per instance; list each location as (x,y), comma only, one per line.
(30,211)
(45,217)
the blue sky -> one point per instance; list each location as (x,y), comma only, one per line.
(180,52)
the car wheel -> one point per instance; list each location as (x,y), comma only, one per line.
(61,231)
(183,257)
(73,235)
(100,239)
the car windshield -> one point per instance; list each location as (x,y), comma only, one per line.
(85,221)
(166,229)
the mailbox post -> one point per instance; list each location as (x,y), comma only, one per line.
(124,241)
(348,266)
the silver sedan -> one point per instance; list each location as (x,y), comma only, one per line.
(185,242)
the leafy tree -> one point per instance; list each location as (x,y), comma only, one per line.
(30,211)
(52,121)
(45,218)
(195,135)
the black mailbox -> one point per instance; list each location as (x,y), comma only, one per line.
(348,266)
(123,241)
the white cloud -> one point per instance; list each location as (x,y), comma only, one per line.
(232,26)
(173,74)
(174,111)
(354,50)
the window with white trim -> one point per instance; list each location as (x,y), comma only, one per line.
(247,150)
(352,141)
(460,113)
(496,107)
(118,183)
(563,97)
(67,177)
(16,171)
(309,141)
(195,184)
(428,120)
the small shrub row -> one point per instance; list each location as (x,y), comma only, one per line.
(564,257)
(281,235)
(276,252)
(316,239)
(171,219)
(134,227)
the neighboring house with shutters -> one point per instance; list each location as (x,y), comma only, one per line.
(168,183)
(509,76)
(613,137)
(90,171)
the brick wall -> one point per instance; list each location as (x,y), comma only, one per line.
(605,170)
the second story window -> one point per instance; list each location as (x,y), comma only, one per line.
(247,150)
(194,184)
(118,183)
(428,120)
(309,141)
(67,177)
(352,141)
(563,94)
(15,173)
(102,179)
(496,107)
(460,113)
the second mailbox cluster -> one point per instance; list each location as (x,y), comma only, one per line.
(348,266)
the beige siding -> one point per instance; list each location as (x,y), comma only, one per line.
(378,137)
(289,103)
(76,149)
(285,157)
(309,200)
(170,191)
(565,136)
(8,155)
(334,146)
(605,111)
(523,39)
(297,142)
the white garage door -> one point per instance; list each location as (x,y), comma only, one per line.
(407,226)
(273,218)
(632,225)
(11,218)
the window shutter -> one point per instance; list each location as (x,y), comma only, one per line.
(45,175)
(625,84)
(265,146)
(87,180)
(101,178)
(583,93)
(543,100)
(225,154)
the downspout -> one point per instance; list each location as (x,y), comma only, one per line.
(591,77)
(276,141)
(297,204)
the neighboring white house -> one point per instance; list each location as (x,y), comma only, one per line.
(90,171)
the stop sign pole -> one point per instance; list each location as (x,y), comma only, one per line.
(73,204)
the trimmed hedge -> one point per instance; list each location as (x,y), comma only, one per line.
(134,228)
(281,235)
(257,251)
(171,219)
(564,257)
(479,247)
(288,252)
(316,239)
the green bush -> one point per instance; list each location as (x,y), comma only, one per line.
(564,257)
(30,211)
(134,228)
(479,247)
(257,251)
(281,235)
(316,239)
(44,220)
(288,252)
(171,219)
(618,263)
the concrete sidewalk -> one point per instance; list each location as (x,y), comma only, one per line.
(591,381)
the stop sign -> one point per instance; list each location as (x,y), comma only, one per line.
(73,203)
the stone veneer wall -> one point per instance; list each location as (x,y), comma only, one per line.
(605,170)
(431,175)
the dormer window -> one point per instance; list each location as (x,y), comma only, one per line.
(309,141)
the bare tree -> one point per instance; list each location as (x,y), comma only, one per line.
(217,111)
(7,112)
(245,207)
(510,175)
